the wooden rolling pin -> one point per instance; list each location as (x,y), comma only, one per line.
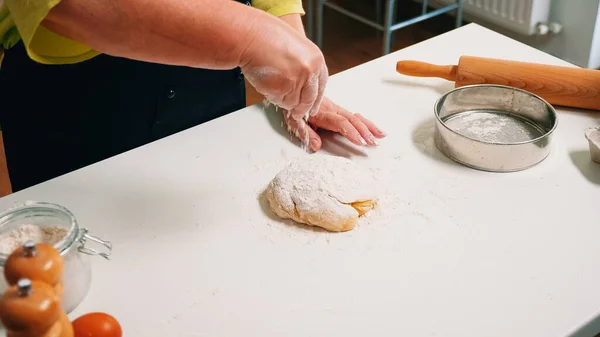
(565,86)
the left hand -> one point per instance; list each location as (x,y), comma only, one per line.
(333,117)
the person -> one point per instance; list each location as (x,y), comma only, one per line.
(85,80)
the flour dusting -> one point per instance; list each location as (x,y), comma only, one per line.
(305,137)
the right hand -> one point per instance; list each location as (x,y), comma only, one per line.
(285,67)
(333,117)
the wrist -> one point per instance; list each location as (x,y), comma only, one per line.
(294,21)
(255,37)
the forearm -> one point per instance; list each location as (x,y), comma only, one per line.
(196,33)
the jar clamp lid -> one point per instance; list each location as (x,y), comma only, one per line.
(76,236)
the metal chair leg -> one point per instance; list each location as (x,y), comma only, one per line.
(310,20)
(387,26)
(320,23)
(378,15)
(394,20)
(459,13)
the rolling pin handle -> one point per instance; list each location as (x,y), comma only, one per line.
(422,69)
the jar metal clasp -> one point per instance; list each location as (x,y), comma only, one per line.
(83,239)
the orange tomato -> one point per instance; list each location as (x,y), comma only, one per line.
(97,324)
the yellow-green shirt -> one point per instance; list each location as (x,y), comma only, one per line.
(21,19)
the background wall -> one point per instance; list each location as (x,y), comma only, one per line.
(576,42)
(595,53)
(579,40)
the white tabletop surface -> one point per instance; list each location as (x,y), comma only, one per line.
(454,252)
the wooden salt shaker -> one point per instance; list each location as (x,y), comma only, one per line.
(37,262)
(32,309)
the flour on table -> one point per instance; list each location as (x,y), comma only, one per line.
(325,191)
(303,140)
(16,237)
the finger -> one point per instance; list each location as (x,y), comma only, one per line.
(308,95)
(290,100)
(315,142)
(340,124)
(377,132)
(359,125)
(304,133)
(322,83)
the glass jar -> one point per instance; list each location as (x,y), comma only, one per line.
(77,274)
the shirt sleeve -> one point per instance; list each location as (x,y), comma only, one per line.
(9,35)
(280,7)
(22,21)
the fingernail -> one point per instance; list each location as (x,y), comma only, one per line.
(314,144)
(382,132)
(362,140)
(373,140)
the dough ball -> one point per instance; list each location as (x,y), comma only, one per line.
(325,191)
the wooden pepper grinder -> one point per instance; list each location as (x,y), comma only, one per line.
(37,262)
(32,309)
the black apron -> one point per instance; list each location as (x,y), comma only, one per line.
(59,118)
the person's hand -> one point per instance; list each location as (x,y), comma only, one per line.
(356,128)
(285,67)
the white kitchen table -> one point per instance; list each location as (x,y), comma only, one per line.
(453,252)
